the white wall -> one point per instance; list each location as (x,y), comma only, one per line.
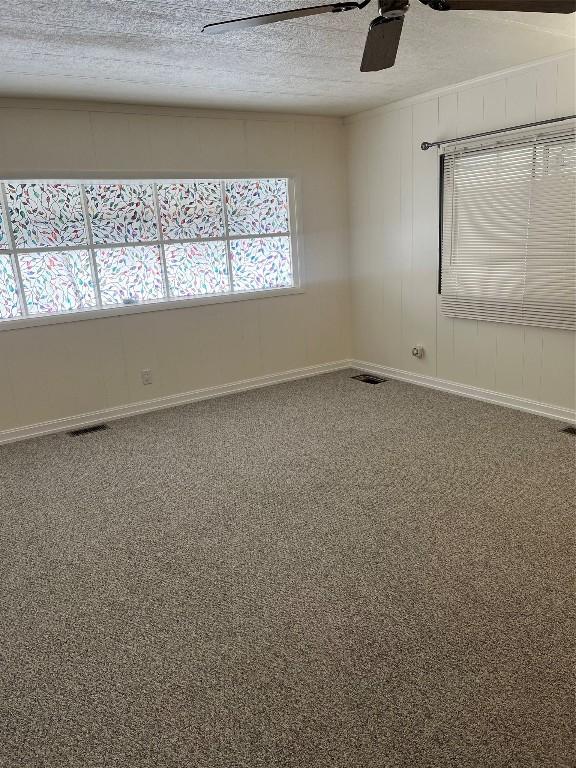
(56,371)
(394,240)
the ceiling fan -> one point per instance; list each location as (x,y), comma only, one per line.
(384,32)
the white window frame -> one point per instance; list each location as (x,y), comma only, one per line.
(168,302)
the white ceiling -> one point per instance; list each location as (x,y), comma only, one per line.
(152,51)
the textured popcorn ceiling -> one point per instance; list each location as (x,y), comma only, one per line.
(152,51)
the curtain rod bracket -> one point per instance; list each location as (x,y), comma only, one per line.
(429,144)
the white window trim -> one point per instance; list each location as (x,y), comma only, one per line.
(168,303)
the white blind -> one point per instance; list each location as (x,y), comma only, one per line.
(508,246)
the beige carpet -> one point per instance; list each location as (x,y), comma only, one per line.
(322,574)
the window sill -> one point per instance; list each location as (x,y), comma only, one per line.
(151,306)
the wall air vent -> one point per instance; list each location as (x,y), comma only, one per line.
(88,430)
(367,378)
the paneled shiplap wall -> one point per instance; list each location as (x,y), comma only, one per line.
(394,240)
(59,371)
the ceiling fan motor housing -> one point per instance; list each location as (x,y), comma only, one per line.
(390,9)
(437,5)
(339,7)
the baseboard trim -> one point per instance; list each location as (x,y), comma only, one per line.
(465,390)
(146,406)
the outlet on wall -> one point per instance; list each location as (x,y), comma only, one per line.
(146,375)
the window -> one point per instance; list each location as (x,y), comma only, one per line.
(68,247)
(508,232)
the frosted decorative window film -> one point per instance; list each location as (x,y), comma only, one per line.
(257,206)
(3,231)
(196,269)
(122,213)
(9,303)
(57,281)
(190,211)
(130,275)
(46,214)
(81,246)
(262,263)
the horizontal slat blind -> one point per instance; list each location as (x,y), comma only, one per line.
(509,232)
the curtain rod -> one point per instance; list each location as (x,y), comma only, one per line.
(429,144)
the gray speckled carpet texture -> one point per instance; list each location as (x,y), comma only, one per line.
(321,574)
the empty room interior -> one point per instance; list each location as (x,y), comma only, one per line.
(287,384)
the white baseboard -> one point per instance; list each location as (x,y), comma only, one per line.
(498,398)
(145,406)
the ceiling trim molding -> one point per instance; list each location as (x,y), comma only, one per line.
(73,105)
(474,82)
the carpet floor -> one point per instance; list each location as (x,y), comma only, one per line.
(320,574)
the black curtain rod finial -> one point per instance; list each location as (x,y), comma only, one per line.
(426,145)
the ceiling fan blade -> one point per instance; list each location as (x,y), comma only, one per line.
(382,44)
(270,18)
(524,6)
